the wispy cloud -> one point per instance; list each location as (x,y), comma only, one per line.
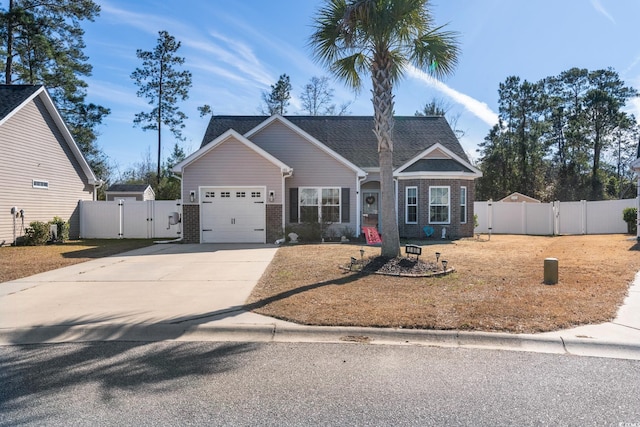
(221,49)
(631,66)
(475,107)
(601,10)
(217,54)
(146,22)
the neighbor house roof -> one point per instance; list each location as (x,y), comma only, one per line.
(128,188)
(14,97)
(352,137)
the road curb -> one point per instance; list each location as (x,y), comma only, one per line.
(320,334)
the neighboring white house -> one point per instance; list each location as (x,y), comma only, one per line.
(139,192)
(42,171)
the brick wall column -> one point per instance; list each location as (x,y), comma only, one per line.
(191,223)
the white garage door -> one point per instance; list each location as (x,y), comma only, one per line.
(233,214)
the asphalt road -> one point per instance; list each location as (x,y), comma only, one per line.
(277,384)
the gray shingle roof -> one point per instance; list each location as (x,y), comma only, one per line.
(352,136)
(11,96)
(125,188)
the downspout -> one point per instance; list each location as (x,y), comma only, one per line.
(395,184)
(285,174)
(98,184)
(359,181)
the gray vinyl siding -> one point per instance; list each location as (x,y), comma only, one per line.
(312,167)
(32,147)
(232,164)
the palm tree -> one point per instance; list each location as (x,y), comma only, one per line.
(382,38)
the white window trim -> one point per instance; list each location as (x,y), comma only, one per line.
(406,205)
(40,181)
(466,212)
(448,204)
(319,191)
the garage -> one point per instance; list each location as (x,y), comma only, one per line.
(233,214)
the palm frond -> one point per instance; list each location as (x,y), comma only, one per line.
(350,68)
(436,51)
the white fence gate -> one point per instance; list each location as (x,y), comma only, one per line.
(602,217)
(130,219)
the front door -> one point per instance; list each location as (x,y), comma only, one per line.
(370,208)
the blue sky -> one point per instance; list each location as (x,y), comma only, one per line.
(237,49)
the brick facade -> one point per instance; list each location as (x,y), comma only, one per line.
(455,229)
(274,223)
(191,223)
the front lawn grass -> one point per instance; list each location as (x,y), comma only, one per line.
(22,261)
(497,285)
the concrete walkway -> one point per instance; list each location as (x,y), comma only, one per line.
(196,292)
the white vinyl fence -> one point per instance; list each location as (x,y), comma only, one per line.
(130,219)
(602,217)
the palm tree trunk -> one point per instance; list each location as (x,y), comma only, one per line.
(9,61)
(383,128)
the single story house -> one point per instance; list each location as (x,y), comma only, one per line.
(42,171)
(139,192)
(253,176)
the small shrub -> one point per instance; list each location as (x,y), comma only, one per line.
(348,232)
(37,234)
(63,229)
(307,232)
(629,216)
(475,221)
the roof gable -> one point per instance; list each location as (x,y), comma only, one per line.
(352,137)
(15,97)
(310,138)
(439,160)
(231,133)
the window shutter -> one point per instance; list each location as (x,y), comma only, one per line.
(293,204)
(346,203)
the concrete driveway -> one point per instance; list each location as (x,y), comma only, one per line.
(160,284)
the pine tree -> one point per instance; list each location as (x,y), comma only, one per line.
(42,43)
(163,85)
(277,101)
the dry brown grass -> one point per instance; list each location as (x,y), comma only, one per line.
(497,285)
(22,261)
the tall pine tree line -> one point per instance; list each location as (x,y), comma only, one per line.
(41,42)
(565,137)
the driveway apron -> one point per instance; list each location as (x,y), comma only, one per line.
(171,283)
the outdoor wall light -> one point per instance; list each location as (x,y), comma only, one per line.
(272,196)
(444,265)
(192,196)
